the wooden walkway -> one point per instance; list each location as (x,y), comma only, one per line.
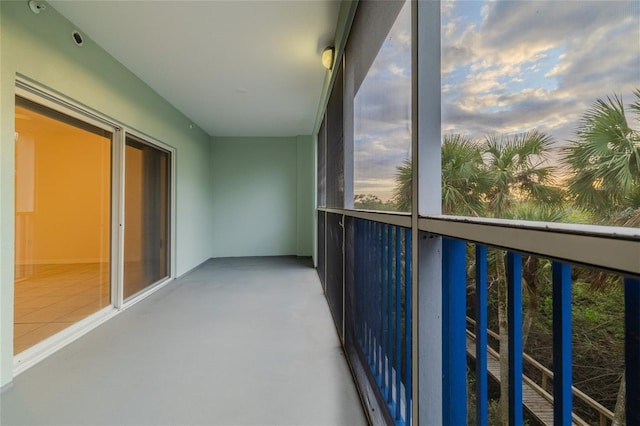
(535,400)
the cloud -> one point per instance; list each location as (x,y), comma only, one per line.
(535,64)
(382,110)
(506,67)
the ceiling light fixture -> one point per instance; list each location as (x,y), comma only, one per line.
(327,57)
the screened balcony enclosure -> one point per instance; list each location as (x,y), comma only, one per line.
(202,225)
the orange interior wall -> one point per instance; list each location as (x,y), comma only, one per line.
(63,186)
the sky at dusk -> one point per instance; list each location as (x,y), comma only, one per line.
(507,67)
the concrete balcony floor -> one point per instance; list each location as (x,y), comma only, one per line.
(243,341)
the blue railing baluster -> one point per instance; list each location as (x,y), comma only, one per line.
(632,349)
(562,395)
(514,315)
(482,392)
(380,322)
(369,294)
(455,339)
(377,298)
(363,284)
(446,347)
(359,279)
(383,310)
(398,331)
(368,299)
(408,289)
(389,310)
(381,315)
(374,299)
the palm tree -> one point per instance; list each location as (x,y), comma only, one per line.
(604,162)
(517,172)
(494,179)
(464,180)
(402,192)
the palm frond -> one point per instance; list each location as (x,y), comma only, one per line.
(604,159)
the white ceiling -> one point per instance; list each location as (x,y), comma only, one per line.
(235,68)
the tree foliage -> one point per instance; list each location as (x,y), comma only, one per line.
(402,192)
(517,169)
(509,176)
(464,180)
(604,161)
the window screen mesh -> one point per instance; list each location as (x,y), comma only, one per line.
(335,145)
(321,248)
(334,278)
(322,161)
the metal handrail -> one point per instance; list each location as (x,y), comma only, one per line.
(390,218)
(610,248)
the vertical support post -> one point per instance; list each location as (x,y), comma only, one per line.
(454,331)
(514,315)
(426,200)
(343,275)
(632,348)
(562,395)
(482,386)
(408,321)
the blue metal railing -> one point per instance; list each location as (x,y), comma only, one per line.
(454,337)
(367,265)
(382,310)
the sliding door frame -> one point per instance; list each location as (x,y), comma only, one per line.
(171,258)
(30,90)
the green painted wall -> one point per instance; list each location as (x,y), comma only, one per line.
(40,48)
(306,195)
(262,194)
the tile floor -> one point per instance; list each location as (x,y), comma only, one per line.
(50,298)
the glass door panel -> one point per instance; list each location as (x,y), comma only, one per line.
(146,216)
(62,221)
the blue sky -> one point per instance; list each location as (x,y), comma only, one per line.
(507,67)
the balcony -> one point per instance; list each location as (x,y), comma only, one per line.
(251,340)
(383,332)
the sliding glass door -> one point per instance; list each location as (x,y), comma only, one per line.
(79,181)
(146,231)
(62,221)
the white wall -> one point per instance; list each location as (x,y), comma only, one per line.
(40,48)
(262,195)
